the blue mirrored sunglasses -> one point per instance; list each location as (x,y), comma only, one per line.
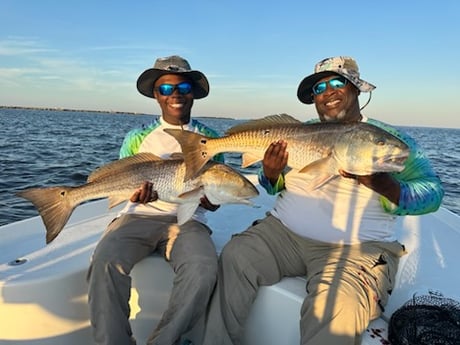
(184,88)
(335,83)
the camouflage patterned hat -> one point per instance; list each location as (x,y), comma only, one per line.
(343,65)
(172,65)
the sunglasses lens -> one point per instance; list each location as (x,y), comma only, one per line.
(337,83)
(166,89)
(319,88)
(184,88)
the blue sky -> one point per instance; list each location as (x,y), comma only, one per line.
(88,54)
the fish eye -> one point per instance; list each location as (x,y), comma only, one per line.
(380,141)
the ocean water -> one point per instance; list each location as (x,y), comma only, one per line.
(48,148)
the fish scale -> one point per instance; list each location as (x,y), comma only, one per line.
(321,149)
(302,149)
(118,180)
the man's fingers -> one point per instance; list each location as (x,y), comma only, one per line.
(205,203)
(144,194)
(135,196)
(154,196)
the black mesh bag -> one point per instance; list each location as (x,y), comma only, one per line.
(426,320)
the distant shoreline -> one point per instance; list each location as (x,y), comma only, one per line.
(97,111)
(68,109)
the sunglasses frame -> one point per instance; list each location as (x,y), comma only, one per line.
(341,79)
(184,88)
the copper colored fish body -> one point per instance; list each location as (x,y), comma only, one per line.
(317,148)
(118,180)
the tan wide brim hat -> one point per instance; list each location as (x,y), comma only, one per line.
(342,65)
(172,65)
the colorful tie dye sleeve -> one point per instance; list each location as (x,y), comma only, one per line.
(421,188)
(134,138)
(266,184)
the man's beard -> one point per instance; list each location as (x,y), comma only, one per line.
(337,117)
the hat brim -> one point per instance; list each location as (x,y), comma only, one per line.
(147,79)
(305,93)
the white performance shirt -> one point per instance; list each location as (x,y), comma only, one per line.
(162,145)
(341,211)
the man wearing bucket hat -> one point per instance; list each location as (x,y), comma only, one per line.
(148,225)
(341,236)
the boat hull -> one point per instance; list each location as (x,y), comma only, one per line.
(43,289)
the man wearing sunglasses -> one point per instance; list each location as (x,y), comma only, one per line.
(148,225)
(340,237)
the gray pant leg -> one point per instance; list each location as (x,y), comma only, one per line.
(347,287)
(126,241)
(261,255)
(194,260)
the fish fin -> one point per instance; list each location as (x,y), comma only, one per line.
(114,167)
(116,200)
(322,165)
(270,121)
(186,211)
(249,159)
(194,149)
(216,200)
(320,181)
(53,205)
(195,193)
(177,156)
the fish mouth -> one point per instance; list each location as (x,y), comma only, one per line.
(393,162)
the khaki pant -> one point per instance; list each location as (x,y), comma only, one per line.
(128,240)
(347,285)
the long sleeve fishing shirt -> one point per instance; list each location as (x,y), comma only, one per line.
(344,211)
(153,139)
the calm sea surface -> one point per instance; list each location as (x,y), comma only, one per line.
(47,148)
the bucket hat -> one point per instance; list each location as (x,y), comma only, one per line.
(172,65)
(342,65)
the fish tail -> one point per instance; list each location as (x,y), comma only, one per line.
(53,205)
(195,150)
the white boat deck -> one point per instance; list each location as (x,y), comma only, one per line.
(43,288)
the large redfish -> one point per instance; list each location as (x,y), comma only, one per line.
(318,148)
(119,179)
